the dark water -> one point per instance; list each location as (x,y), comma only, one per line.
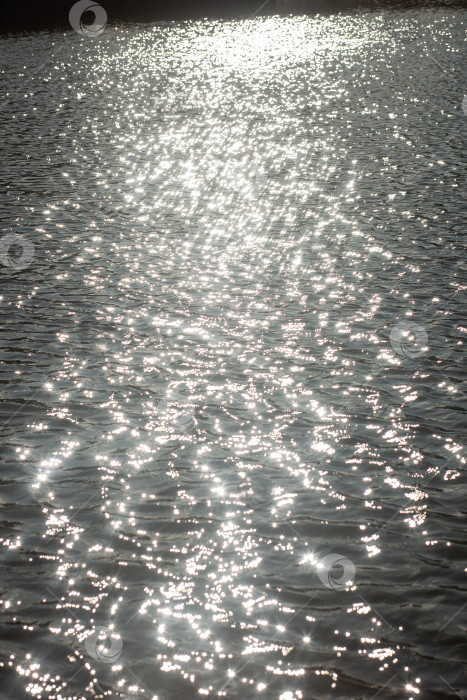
(232,334)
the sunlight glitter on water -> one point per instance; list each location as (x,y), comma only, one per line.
(233,462)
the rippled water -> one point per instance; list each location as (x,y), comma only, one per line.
(232,381)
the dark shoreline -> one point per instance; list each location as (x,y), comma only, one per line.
(31,15)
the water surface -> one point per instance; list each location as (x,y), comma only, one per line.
(206,392)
